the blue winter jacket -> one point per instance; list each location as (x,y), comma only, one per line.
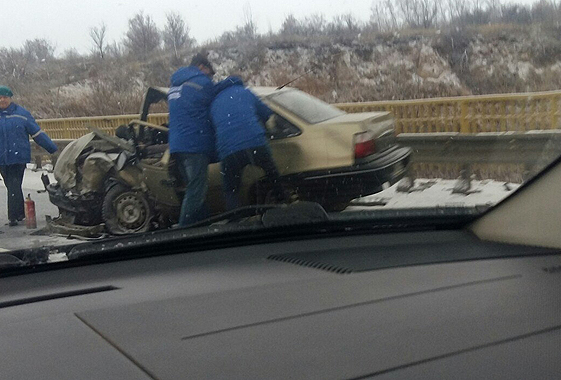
(16,125)
(189,98)
(237,115)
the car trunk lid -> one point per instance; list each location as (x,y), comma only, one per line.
(360,136)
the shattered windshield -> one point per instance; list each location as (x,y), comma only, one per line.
(135,118)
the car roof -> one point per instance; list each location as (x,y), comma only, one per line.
(266,91)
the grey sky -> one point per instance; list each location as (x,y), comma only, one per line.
(66,23)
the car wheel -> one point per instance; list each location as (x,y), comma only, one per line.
(125,211)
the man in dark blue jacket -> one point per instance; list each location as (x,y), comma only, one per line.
(191,136)
(16,125)
(237,115)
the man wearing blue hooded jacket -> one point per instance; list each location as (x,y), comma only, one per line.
(16,125)
(191,136)
(238,117)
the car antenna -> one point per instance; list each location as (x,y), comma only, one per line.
(295,79)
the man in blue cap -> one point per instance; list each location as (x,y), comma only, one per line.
(191,136)
(16,125)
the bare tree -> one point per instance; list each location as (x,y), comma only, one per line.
(38,50)
(344,25)
(246,32)
(176,36)
(314,25)
(71,55)
(388,14)
(98,35)
(142,37)
(13,64)
(419,13)
(114,50)
(249,28)
(384,15)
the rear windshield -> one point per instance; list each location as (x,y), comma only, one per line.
(310,109)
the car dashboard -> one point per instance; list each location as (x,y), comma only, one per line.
(423,305)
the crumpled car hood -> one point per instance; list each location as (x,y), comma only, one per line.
(65,168)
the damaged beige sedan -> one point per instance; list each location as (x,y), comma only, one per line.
(126,183)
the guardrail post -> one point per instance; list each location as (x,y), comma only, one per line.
(464,125)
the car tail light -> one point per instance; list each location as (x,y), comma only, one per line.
(365,144)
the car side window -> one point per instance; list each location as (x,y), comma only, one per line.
(283,129)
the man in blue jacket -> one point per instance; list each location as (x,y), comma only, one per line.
(16,125)
(237,115)
(191,136)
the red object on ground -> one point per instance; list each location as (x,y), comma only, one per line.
(30,217)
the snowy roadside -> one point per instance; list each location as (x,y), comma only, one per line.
(437,193)
(20,237)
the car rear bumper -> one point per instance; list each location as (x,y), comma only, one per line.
(347,183)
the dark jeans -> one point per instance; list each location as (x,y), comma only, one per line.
(193,168)
(13,178)
(232,169)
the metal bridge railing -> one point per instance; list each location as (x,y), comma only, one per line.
(470,114)
(465,114)
(73,128)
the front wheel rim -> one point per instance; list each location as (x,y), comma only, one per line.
(131,211)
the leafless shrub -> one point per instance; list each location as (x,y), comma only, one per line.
(384,16)
(454,46)
(38,50)
(547,12)
(13,64)
(516,14)
(246,32)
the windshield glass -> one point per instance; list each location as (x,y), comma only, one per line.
(310,109)
(135,117)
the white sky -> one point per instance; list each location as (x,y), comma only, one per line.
(66,23)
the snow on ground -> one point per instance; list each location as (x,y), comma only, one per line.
(20,237)
(437,193)
(426,193)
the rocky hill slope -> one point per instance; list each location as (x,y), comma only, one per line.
(372,67)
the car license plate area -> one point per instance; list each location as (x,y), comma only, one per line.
(385,142)
(398,169)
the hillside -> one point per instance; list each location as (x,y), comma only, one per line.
(372,66)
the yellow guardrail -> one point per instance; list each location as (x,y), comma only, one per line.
(463,114)
(75,127)
(470,114)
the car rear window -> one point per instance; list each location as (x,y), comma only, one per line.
(310,109)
